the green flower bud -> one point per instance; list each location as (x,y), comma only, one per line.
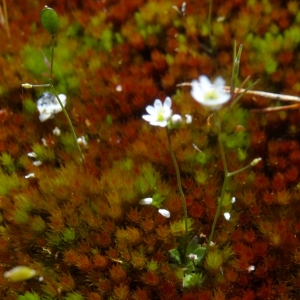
(49,19)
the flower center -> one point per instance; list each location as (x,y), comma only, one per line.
(211,95)
(160,115)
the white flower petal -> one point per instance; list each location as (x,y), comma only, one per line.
(148,118)
(165,213)
(146,201)
(150,110)
(227,216)
(29,175)
(168,103)
(157,104)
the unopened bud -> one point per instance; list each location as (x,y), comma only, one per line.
(27,85)
(176,121)
(255,161)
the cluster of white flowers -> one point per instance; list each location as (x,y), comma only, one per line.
(148,201)
(211,96)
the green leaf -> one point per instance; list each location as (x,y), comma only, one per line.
(200,254)
(49,19)
(175,255)
(192,246)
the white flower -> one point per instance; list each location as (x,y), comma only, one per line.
(37,163)
(56,131)
(164,212)
(159,113)
(146,201)
(210,95)
(48,105)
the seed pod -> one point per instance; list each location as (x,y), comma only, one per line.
(49,19)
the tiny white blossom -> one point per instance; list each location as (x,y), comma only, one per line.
(159,113)
(119,88)
(188,119)
(211,96)
(82,140)
(146,201)
(227,216)
(232,199)
(165,213)
(56,131)
(48,105)
(32,154)
(37,163)
(29,175)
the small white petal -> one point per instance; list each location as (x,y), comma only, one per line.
(157,104)
(56,131)
(168,103)
(37,163)
(232,199)
(32,154)
(227,216)
(188,119)
(146,201)
(251,268)
(82,140)
(165,213)
(150,110)
(119,88)
(44,142)
(29,175)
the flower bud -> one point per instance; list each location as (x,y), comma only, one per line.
(175,121)
(20,273)
(49,19)
(27,85)
(255,161)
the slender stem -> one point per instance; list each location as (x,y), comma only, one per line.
(224,187)
(209,22)
(69,121)
(225,183)
(181,193)
(60,103)
(52,55)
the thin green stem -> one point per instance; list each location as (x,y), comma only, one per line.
(225,183)
(180,192)
(52,55)
(209,22)
(70,123)
(224,187)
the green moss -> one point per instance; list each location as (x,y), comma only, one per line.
(29,296)
(9,183)
(34,61)
(7,162)
(29,106)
